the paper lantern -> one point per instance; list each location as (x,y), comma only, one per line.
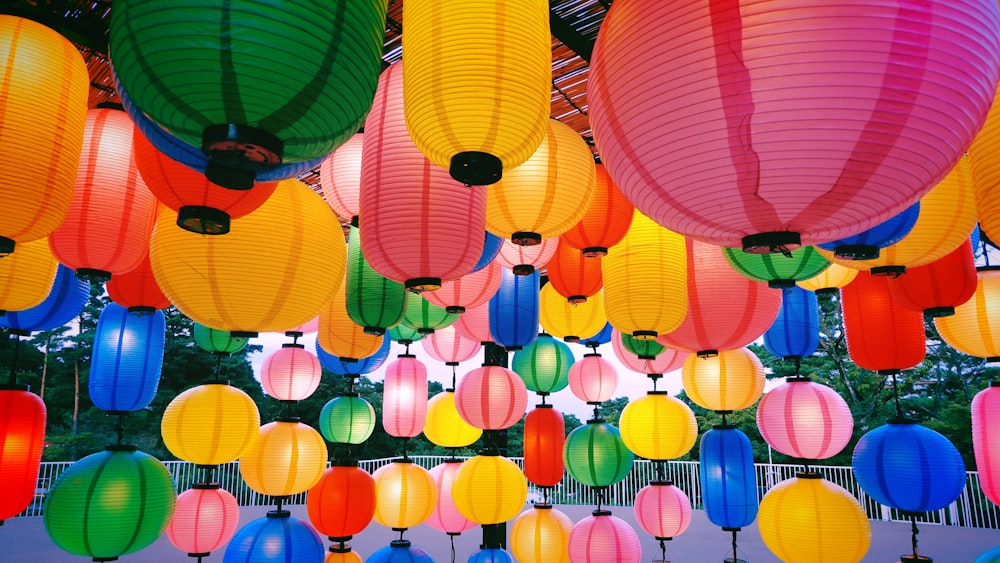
(593,379)
(126,360)
(805,420)
(22,437)
(662,509)
(547,194)
(491,249)
(794,333)
(728,484)
(448,346)
(525,259)
(210,424)
(730,381)
(985,425)
(471,290)
(110,503)
(490,555)
(830,279)
(444,426)
(972,329)
(778,270)
(658,426)
(347,419)
(426,318)
(570,321)
(341,176)
(205,518)
(404,397)
(342,337)
(420,226)
(935,289)
(446,517)
(807,518)
(477,133)
(404,494)
(596,455)
(541,535)
(668,361)
(740,167)
(404,334)
(544,364)
(989,556)
(643,349)
(137,290)
(474,324)
(342,503)
(645,289)
(606,220)
(400,551)
(867,244)
(909,467)
(491,398)
(44,117)
(289,248)
(881,335)
(26,275)
(65,300)
(353,366)
(514,311)
(279,536)
(290,373)
(217,341)
(489,489)
(604,537)
(288,457)
(602,336)
(544,438)
(573,275)
(373,301)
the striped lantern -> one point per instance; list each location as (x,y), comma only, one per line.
(491,398)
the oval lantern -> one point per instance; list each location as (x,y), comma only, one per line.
(63,303)
(985,426)
(448,346)
(22,437)
(219,342)
(489,489)
(541,535)
(523,260)
(663,510)
(593,379)
(805,420)
(474,324)
(471,290)
(514,310)
(867,244)
(658,426)
(830,279)
(342,503)
(731,168)
(339,335)
(126,360)
(210,424)
(729,381)
(444,426)
(573,275)
(404,397)
(347,419)
(205,518)
(446,517)
(44,119)
(881,335)
(491,398)
(570,321)
(404,494)
(288,457)
(137,290)
(290,373)
(778,270)
(669,360)
(426,318)
(604,537)
(354,366)
(729,488)
(596,455)
(935,289)
(974,329)
(278,536)
(340,173)
(607,219)
(26,275)
(373,301)
(544,438)
(544,365)
(400,551)
(794,334)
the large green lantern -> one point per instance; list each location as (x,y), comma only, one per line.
(778,270)
(425,317)
(110,503)
(544,364)
(644,349)
(347,419)
(596,455)
(373,301)
(221,342)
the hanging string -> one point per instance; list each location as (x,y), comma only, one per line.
(121,428)
(277,501)
(218,366)
(543,395)
(913,534)
(723,413)
(351,379)
(798,365)
(545,495)
(406,456)
(658,466)
(12,376)
(406,343)
(600,498)
(895,396)
(734,547)
(452,538)
(663,550)
(454,376)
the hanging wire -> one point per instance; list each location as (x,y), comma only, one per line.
(218,366)
(452,538)
(120,427)
(895,396)
(12,376)
(735,558)
(663,549)
(454,376)
(913,535)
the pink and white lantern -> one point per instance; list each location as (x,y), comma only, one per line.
(446,516)
(491,398)
(205,518)
(404,397)
(468,291)
(662,509)
(605,538)
(986,439)
(448,346)
(593,379)
(291,373)
(804,419)
(524,260)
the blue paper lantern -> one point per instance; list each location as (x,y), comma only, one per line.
(278,538)
(491,555)
(514,310)
(728,481)
(866,244)
(991,556)
(602,337)
(65,301)
(491,247)
(400,551)
(127,359)
(361,366)
(795,332)
(909,467)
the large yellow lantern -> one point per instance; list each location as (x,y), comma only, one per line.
(444,426)
(26,275)
(830,279)
(974,329)
(480,109)
(339,335)
(570,321)
(729,381)
(658,426)
(210,424)
(404,494)
(541,535)
(984,157)
(288,458)
(489,489)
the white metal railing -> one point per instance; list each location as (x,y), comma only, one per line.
(971,509)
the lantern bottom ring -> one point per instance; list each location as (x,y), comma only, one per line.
(418,285)
(915,559)
(769,243)
(891,271)
(7,245)
(523,270)
(475,168)
(203,554)
(645,335)
(595,251)
(93,274)
(526,238)
(856,252)
(203,220)
(937,312)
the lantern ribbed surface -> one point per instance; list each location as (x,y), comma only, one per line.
(404,334)
(985,428)
(606,220)
(217,341)
(881,335)
(290,373)
(490,555)
(471,290)
(867,244)
(489,489)
(544,364)
(354,366)
(205,518)
(593,379)
(289,248)
(44,117)
(22,437)
(937,288)
(347,420)
(210,424)
(544,438)
(287,458)
(66,297)
(728,480)
(281,538)
(662,509)
(424,317)
(341,176)
(989,556)
(834,277)
(541,535)
(404,397)
(658,426)
(137,290)
(984,158)
(446,517)
(342,503)
(373,301)
(26,275)
(523,259)
(667,361)
(604,537)
(974,329)
(491,398)
(573,275)
(404,494)
(514,310)
(339,335)
(444,426)
(343,557)
(795,331)
(806,420)
(777,269)
(474,324)
(400,552)
(570,321)
(645,349)
(595,454)
(448,346)
(812,519)
(127,359)
(729,381)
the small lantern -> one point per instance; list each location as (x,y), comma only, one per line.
(471,290)
(778,270)
(541,535)
(881,335)
(524,260)
(544,365)
(404,397)
(570,321)
(474,324)
(669,360)
(278,536)
(658,426)
(935,289)
(373,301)
(985,445)
(830,279)
(489,489)
(426,318)
(795,332)
(404,494)
(290,373)
(544,438)
(805,420)
(604,537)
(341,336)
(22,437)
(342,503)
(491,398)
(137,290)
(210,424)
(606,220)
(573,275)
(341,176)
(593,379)
(974,329)
(448,346)
(729,381)
(596,455)
(446,517)
(728,480)
(514,311)
(218,341)
(490,555)
(287,458)
(205,518)
(354,366)
(867,244)
(444,426)
(347,419)
(127,358)
(663,510)
(400,551)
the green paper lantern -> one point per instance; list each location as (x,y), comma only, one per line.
(347,419)
(645,349)
(110,503)
(220,342)
(544,364)
(596,455)
(425,318)
(404,334)
(777,269)
(373,301)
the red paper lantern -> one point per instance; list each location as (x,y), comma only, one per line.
(593,379)
(937,288)
(662,510)
(342,503)
(341,176)
(291,373)
(474,324)
(665,362)
(137,290)
(605,222)
(448,346)
(205,518)
(491,398)
(881,335)
(544,437)
(806,420)
(22,434)
(524,260)
(404,397)
(446,517)
(572,274)
(468,291)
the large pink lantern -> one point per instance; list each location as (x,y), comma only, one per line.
(524,260)
(291,373)
(468,291)
(766,125)
(605,538)
(665,362)
(420,226)
(804,419)
(491,398)
(446,517)
(205,518)
(593,379)
(404,397)
(662,509)
(986,439)
(448,346)
(474,324)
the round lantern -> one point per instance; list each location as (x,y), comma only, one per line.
(602,336)
(404,494)
(477,134)
(731,168)
(489,489)
(400,551)
(474,324)
(289,247)
(26,275)
(544,438)
(347,419)
(729,381)
(596,455)
(205,518)
(514,310)
(909,467)
(404,397)
(881,335)
(342,337)
(544,364)
(341,176)
(448,346)
(65,300)
(605,222)
(279,536)
(541,535)
(937,288)
(220,342)
(126,360)
(342,555)
(974,329)
(645,289)
(593,379)
(342,503)
(491,398)
(603,537)
(570,321)
(658,426)
(444,426)
(420,226)
(404,334)
(22,437)
(666,362)
(643,349)
(354,366)
(794,334)
(373,302)
(110,503)
(728,482)
(490,555)
(808,518)
(830,279)
(290,373)
(137,290)
(662,509)
(446,517)
(985,426)
(471,290)
(288,457)
(805,420)
(44,117)
(778,270)
(426,318)
(523,259)
(210,424)
(867,244)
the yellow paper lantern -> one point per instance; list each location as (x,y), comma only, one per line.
(570,321)
(274,270)
(444,427)
(729,381)
(541,535)
(645,280)
(658,426)
(830,279)
(807,519)
(210,424)
(288,458)
(339,335)
(335,555)
(44,97)
(404,494)
(480,109)
(974,329)
(984,157)
(26,275)
(489,489)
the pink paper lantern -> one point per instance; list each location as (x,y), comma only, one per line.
(474,324)
(468,291)
(986,439)
(341,176)
(404,397)
(446,517)
(291,373)
(604,538)
(803,419)
(524,260)
(764,125)
(593,379)
(205,518)
(665,362)
(448,346)
(662,510)
(491,398)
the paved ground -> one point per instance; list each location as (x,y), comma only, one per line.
(23,540)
